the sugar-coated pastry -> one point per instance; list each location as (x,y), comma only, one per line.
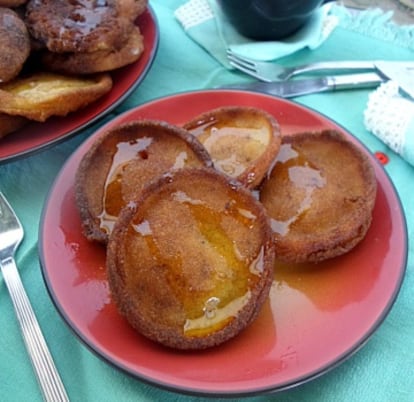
(190,261)
(319,195)
(122,162)
(14,44)
(39,96)
(242,141)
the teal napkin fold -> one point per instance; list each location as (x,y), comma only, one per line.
(204,22)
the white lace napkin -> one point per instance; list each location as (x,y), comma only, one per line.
(390,116)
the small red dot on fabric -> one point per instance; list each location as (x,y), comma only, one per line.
(383,158)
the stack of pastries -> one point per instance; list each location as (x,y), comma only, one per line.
(63,51)
(193,218)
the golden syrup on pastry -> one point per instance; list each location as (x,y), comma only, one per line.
(113,199)
(215,317)
(214,298)
(137,162)
(232,148)
(180,160)
(293,167)
(85,18)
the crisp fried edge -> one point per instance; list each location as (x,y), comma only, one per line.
(57,105)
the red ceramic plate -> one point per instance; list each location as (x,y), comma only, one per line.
(314,318)
(38,136)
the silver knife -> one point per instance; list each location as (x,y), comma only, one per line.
(293,88)
(403,75)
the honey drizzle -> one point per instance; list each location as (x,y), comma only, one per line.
(84,18)
(295,167)
(211,132)
(205,310)
(126,151)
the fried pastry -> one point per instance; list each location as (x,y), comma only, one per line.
(14,44)
(190,261)
(84,37)
(9,124)
(319,195)
(77,26)
(99,61)
(12,3)
(131,8)
(41,95)
(242,141)
(120,164)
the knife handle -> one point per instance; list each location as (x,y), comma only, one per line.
(363,80)
(345,66)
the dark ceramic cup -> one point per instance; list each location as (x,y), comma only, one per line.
(268,19)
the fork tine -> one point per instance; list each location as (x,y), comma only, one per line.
(241,61)
(244,65)
(246,70)
(241,64)
(9,223)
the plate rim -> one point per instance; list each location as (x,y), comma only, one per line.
(262,390)
(75,131)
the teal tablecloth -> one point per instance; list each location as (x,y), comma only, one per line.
(381,371)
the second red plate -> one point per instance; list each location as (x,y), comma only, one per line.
(37,136)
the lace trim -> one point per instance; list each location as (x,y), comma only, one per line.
(388,116)
(193,12)
(377,24)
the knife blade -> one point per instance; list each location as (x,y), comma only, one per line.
(403,75)
(293,88)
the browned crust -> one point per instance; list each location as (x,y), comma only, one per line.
(97,61)
(243,117)
(151,315)
(75,26)
(340,211)
(131,9)
(12,3)
(14,44)
(95,165)
(51,94)
(10,124)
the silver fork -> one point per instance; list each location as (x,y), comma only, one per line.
(11,235)
(270,72)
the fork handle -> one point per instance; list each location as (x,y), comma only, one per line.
(42,361)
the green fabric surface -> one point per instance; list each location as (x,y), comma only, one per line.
(380,372)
